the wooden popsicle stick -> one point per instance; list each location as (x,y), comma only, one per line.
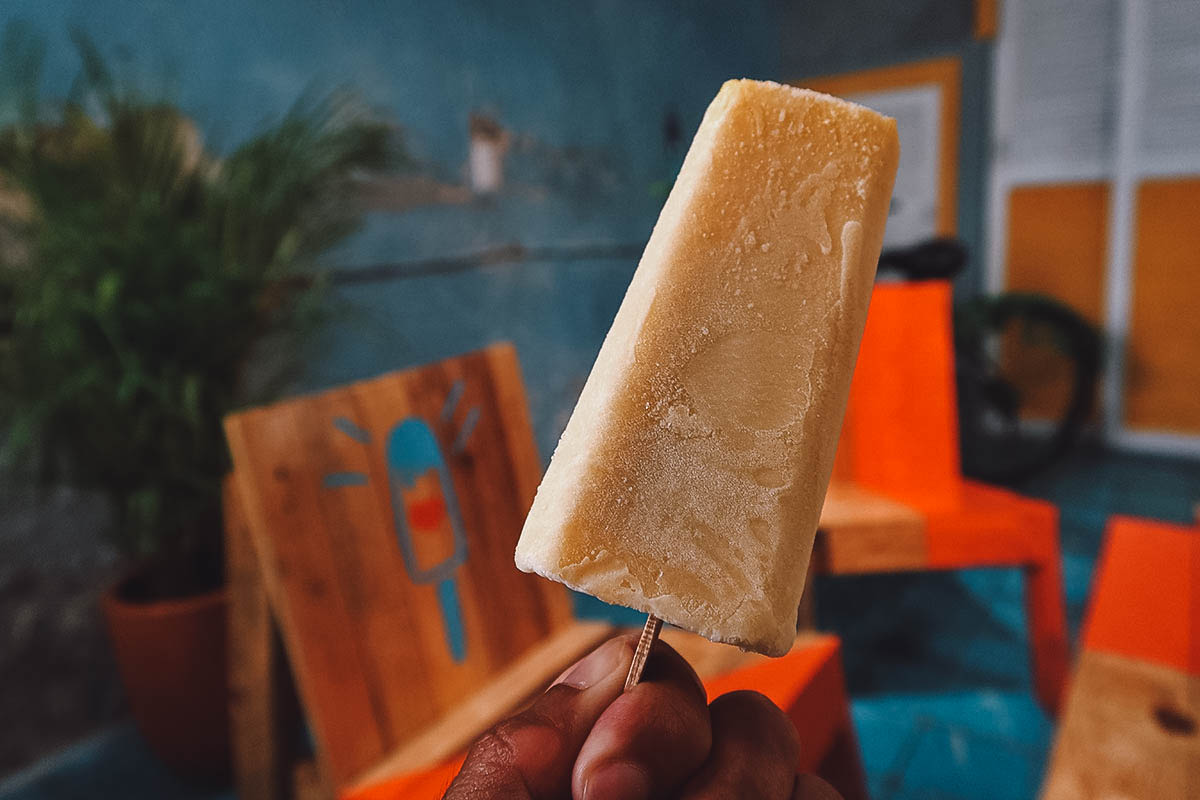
(642,653)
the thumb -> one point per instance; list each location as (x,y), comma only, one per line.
(530,756)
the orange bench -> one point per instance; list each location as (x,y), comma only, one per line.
(900,439)
(1131,727)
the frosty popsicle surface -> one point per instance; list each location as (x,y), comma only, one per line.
(689,480)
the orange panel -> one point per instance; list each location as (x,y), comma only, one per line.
(1146,601)
(427,785)
(1162,373)
(945,73)
(1057,241)
(901,422)
(986,13)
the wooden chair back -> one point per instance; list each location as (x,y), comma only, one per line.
(384,516)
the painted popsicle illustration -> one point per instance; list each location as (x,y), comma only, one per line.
(426,516)
(425,510)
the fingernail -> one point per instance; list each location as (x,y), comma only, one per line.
(595,667)
(617,780)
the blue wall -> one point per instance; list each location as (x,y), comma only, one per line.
(583,88)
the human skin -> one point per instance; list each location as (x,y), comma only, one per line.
(587,739)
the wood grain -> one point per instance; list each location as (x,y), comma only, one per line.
(1131,729)
(501,697)
(307,783)
(263,710)
(368,643)
(864,531)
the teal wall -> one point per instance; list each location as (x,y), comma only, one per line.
(582,86)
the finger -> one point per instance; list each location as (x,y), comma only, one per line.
(651,739)
(810,787)
(530,756)
(755,751)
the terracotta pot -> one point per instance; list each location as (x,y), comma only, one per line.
(171,657)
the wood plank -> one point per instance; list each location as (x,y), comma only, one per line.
(1130,730)
(263,713)
(1163,365)
(357,498)
(863,531)
(307,783)
(502,696)
(317,627)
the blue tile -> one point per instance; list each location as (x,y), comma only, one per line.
(885,729)
(954,762)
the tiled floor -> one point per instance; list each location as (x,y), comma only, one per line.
(937,663)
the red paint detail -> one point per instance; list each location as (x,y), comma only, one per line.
(426,514)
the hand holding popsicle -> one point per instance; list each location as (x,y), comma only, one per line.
(587,738)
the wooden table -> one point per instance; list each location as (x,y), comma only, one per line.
(863,531)
(1131,730)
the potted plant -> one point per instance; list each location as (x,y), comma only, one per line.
(140,274)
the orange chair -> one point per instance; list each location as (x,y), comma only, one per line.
(900,439)
(1131,727)
(807,683)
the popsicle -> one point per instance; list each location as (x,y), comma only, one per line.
(689,480)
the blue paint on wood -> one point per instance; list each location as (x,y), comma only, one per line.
(412,452)
(340,480)
(348,427)
(464,433)
(456,638)
(452,398)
